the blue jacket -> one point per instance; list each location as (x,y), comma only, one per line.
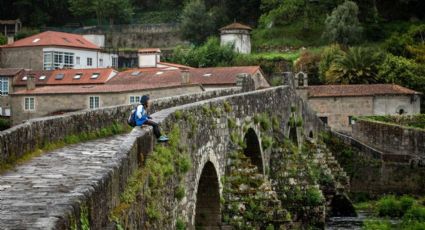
(141,115)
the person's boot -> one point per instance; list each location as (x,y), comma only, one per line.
(163,138)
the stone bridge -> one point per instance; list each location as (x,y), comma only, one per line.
(128,181)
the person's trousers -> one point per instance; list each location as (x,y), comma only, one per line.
(155,127)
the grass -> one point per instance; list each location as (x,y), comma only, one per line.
(114,129)
(412,121)
(289,56)
(290,35)
(166,162)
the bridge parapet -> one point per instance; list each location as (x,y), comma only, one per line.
(37,133)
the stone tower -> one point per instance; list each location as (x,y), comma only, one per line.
(238,35)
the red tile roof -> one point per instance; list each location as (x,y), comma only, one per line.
(147,78)
(236,26)
(85,76)
(150,50)
(52,38)
(39,80)
(358,90)
(167,64)
(10,71)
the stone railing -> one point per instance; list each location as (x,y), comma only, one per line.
(36,133)
(408,143)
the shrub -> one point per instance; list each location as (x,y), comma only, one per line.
(314,197)
(180,225)
(3,39)
(376,225)
(406,202)
(180,191)
(308,62)
(26,32)
(328,56)
(415,214)
(389,206)
(4,124)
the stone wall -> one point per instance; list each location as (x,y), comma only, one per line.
(400,144)
(139,35)
(371,174)
(35,133)
(26,57)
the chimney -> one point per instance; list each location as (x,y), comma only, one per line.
(149,57)
(31,82)
(185,76)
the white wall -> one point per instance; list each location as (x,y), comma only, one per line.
(148,60)
(387,105)
(242,42)
(84,54)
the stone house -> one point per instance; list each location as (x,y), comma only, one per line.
(44,93)
(237,35)
(55,50)
(6,88)
(336,105)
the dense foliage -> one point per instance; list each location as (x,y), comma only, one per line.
(343,26)
(197,24)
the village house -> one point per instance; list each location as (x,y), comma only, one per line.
(44,93)
(337,105)
(6,88)
(55,50)
(9,28)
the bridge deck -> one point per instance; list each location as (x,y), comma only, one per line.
(36,194)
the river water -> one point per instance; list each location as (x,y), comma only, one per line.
(352,223)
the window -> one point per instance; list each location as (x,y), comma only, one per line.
(94,102)
(4,86)
(59,76)
(78,76)
(29,104)
(42,77)
(114,61)
(100,62)
(351,121)
(324,120)
(77,60)
(134,99)
(58,60)
(89,61)
(95,75)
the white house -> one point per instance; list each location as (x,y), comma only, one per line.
(55,50)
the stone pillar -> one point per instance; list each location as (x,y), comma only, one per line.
(185,75)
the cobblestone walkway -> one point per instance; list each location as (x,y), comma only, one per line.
(35,195)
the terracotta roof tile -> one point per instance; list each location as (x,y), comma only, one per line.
(149,50)
(10,71)
(147,78)
(358,90)
(236,26)
(41,77)
(52,38)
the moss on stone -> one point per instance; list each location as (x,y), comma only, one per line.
(227,107)
(231,123)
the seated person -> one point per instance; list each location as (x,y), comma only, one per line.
(142,118)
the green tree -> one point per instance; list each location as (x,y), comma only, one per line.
(3,39)
(358,65)
(409,45)
(208,55)
(113,10)
(402,71)
(327,58)
(196,23)
(343,26)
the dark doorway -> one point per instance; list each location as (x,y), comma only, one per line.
(253,149)
(208,214)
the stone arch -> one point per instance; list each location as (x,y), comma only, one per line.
(253,149)
(207,212)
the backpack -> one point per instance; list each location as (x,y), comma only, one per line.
(131,120)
